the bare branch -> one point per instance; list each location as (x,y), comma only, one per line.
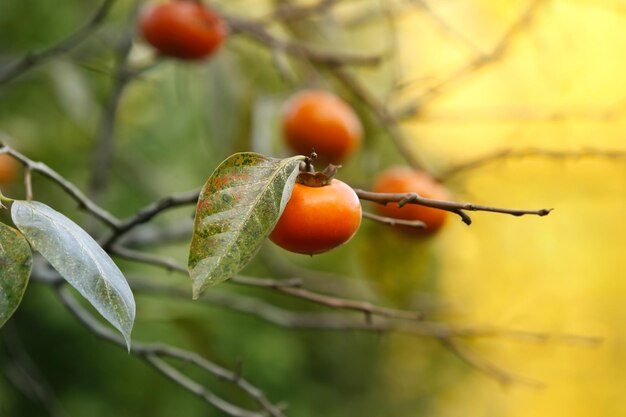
(451,206)
(287,287)
(35,58)
(69,188)
(298,50)
(390,221)
(290,12)
(383,114)
(104,141)
(402,323)
(481,61)
(171,265)
(153,354)
(149,212)
(532,152)
(486,367)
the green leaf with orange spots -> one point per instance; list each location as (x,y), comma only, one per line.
(15,264)
(238,207)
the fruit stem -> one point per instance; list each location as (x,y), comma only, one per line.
(4,199)
(308,162)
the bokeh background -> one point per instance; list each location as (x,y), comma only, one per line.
(539,83)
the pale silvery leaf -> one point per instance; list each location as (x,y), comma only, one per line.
(80,260)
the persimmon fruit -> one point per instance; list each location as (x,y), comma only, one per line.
(184,29)
(318,219)
(408,180)
(321,121)
(8,168)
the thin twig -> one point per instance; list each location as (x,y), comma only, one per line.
(69,188)
(384,116)
(287,286)
(148,212)
(290,12)
(532,152)
(104,141)
(261,34)
(481,61)
(153,354)
(451,206)
(35,58)
(171,265)
(486,367)
(406,322)
(390,221)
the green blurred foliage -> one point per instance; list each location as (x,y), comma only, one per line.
(174,125)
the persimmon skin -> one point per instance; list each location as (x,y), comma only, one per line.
(183,29)
(408,180)
(319,120)
(8,169)
(318,219)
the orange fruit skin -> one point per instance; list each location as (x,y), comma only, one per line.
(8,168)
(318,219)
(319,120)
(406,180)
(182,29)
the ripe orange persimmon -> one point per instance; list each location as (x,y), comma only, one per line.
(8,168)
(184,29)
(407,180)
(317,219)
(319,120)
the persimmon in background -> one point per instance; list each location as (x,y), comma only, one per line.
(183,29)
(407,180)
(319,120)
(8,169)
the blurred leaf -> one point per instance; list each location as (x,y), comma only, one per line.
(237,209)
(80,260)
(15,265)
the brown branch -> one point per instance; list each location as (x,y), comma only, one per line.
(451,206)
(290,12)
(35,58)
(70,189)
(482,365)
(390,221)
(383,114)
(148,212)
(407,322)
(104,141)
(531,152)
(154,354)
(285,286)
(171,265)
(262,35)
(480,62)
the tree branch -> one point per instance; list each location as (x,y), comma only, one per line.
(531,152)
(390,221)
(35,58)
(104,141)
(154,354)
(70,189)
(260,34)
(451,206)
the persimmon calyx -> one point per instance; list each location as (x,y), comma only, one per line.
(318,179)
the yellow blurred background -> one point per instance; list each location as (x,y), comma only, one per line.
(545,79)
